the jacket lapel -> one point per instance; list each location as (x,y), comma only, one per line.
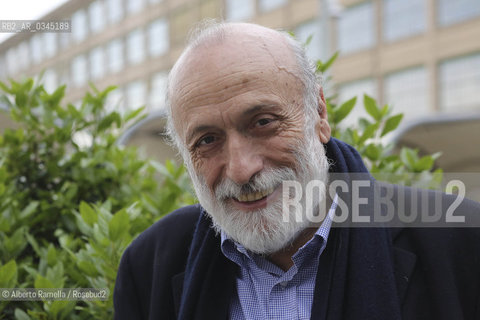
(209,278)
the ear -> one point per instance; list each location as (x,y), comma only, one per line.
(322,127)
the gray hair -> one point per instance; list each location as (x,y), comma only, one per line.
(210,32)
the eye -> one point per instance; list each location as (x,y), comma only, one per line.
(263,122)
(206,140)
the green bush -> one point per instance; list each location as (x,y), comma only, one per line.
(69,209)
(406,168)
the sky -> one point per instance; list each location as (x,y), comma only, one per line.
(25,10)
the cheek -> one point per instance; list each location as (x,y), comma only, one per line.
(281,150)
(207,168)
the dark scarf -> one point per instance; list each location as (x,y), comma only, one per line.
(355,279)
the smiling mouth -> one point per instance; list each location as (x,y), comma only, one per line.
(255,196)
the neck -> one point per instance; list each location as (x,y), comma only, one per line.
(283,258)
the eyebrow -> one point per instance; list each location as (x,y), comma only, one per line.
(198,129)
(257,108)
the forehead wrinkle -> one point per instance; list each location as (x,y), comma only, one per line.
(204,94)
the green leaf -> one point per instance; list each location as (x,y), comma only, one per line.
(371,107)
(119,224)
(368,133)
(21,315)
(106,122)
(425,163)
(8,274)
(133,114)
(2,190)
(28,210)
(372,152)
(344,110)
(309,39)
(42,282)
(5,88)
(51,255)
(408,157)
(57,95)
(57,306)
(16,243)
(33,243)
(330,109)
(88,267)
(385,110)
(88,214)
(391,124)
(363,123)
(322,67)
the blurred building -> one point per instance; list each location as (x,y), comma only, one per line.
(421,56)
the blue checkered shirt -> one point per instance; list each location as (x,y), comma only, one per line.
(265,291)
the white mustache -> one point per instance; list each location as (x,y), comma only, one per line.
(267,179)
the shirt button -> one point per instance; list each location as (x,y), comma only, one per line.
(284,284)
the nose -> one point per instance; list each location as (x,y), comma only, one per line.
(243,161)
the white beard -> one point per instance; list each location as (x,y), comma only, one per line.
(266,230)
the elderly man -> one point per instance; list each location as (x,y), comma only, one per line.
(246,113)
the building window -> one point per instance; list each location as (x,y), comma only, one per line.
(36,47)
(356,28)
(460,83)
(135,47)
(3,71)
(64,39)
(158,90)
(269,5)
(11,59)
(50,82)
(79,71)
(238,10)
(134,6)
(63,75)
(23,53)
(403,18)
(136,95)
(79,26)
(50,40)
(453,11)
(114,10)
(115,101)
(407,91)
(96,16)
(352,89)
(115,55)
(304,31)
(97,63)
(158,39)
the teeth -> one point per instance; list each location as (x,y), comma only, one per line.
(255,195)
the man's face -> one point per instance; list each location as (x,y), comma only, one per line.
(240,116)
